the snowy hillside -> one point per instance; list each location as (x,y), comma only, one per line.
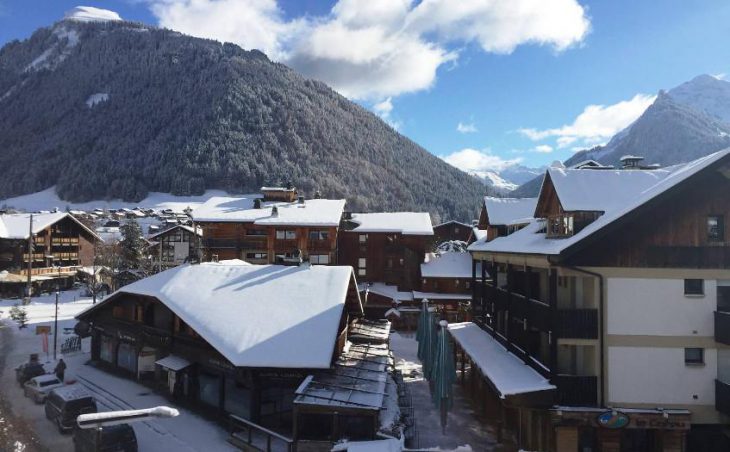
(705,93)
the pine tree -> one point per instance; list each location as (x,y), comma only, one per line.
(18,314)
(131,247)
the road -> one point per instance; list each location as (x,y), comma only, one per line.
(16,433)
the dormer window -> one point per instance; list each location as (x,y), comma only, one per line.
(715,228)
(569,224)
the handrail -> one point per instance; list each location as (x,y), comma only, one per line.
(262,429)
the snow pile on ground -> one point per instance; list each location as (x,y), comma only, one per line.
(96,98)
(91,14)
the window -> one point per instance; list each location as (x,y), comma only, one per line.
(319,259)
(715,228)
(257,256)
(361,272)
(694,355)
(286,235)
(467,284)
(456,230)
(363,238)
(362,262)
(319,235)
(694,287)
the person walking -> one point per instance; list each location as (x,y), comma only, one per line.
(60,369)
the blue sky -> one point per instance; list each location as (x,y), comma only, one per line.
(519,96)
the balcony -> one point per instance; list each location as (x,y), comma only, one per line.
(722,397)
(220,243)
(722,327)
(286,245)
(574,390)
(319,245)
(577,323)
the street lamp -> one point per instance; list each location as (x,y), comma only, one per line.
(99,420)
(55,318)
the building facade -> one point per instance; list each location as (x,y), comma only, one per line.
(616,297)
(175,246)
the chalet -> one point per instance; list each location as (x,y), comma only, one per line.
(503,216)
(452,230)
(610,307)
(60,245)
(273,227)
(174,246)
(386,247)
(228,338)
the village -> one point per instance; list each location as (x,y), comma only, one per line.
(284,321)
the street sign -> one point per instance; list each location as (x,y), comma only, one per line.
(42,329)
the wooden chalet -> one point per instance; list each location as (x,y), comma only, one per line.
(452,230)
(231,339)
(503,216)
(386,247)
(615,297)
(175,246)
(60,245)
(277,226)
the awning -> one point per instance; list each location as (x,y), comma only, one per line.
(173,362)
(508,374)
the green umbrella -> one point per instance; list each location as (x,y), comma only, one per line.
(422,322)
(443,374)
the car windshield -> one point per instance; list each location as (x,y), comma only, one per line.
(49,383)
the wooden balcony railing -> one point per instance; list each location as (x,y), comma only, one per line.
(722,397)
(320,245)
(722,327)
(574,390)
(64,241)
(577,323)
(286,245)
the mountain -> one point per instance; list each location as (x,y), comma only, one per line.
(508,179)
(688,122)
(102,108)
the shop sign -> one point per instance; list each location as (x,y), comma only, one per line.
(612,420)
(42,329)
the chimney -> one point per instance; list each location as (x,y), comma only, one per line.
(300,200)
(317,194)
(274,211)
(257,203)
(347,215)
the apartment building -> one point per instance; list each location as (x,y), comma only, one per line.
(611,309)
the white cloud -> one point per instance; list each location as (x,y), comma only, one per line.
(597,123)
(375,49)
(468,127)
(479,162)
(543,148)
(383,109)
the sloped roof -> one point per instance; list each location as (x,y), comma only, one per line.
(532,240)
(447,265)
(407,223)
(17,225)
(179,226)
(314,212)
(509,211)
(255,315)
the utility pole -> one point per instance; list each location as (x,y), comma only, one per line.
(55,325)
(31,251)
(95,284)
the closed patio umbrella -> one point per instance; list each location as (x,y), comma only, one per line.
(443,374)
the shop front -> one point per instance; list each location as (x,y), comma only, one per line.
(620,430)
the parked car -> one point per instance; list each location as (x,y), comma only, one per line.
(114,438)
(26,371)
(37,388)
(64,404)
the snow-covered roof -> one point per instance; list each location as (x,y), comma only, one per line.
(386,290)
(407,223)
(508,373)
(452,222)
(509,211)
(179,226)
(645,186)
(447,265)
(17,225)
(381,445)
(256,315)
(313,212)
(440,296)
(173,362)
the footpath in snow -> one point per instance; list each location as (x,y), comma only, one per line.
(465,430)
(187,432)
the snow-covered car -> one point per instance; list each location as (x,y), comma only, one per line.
(37,388)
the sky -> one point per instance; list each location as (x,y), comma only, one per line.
(484,84)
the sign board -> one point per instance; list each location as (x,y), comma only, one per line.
(612,420)
(42,329)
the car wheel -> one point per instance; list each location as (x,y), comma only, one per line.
(60,427)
